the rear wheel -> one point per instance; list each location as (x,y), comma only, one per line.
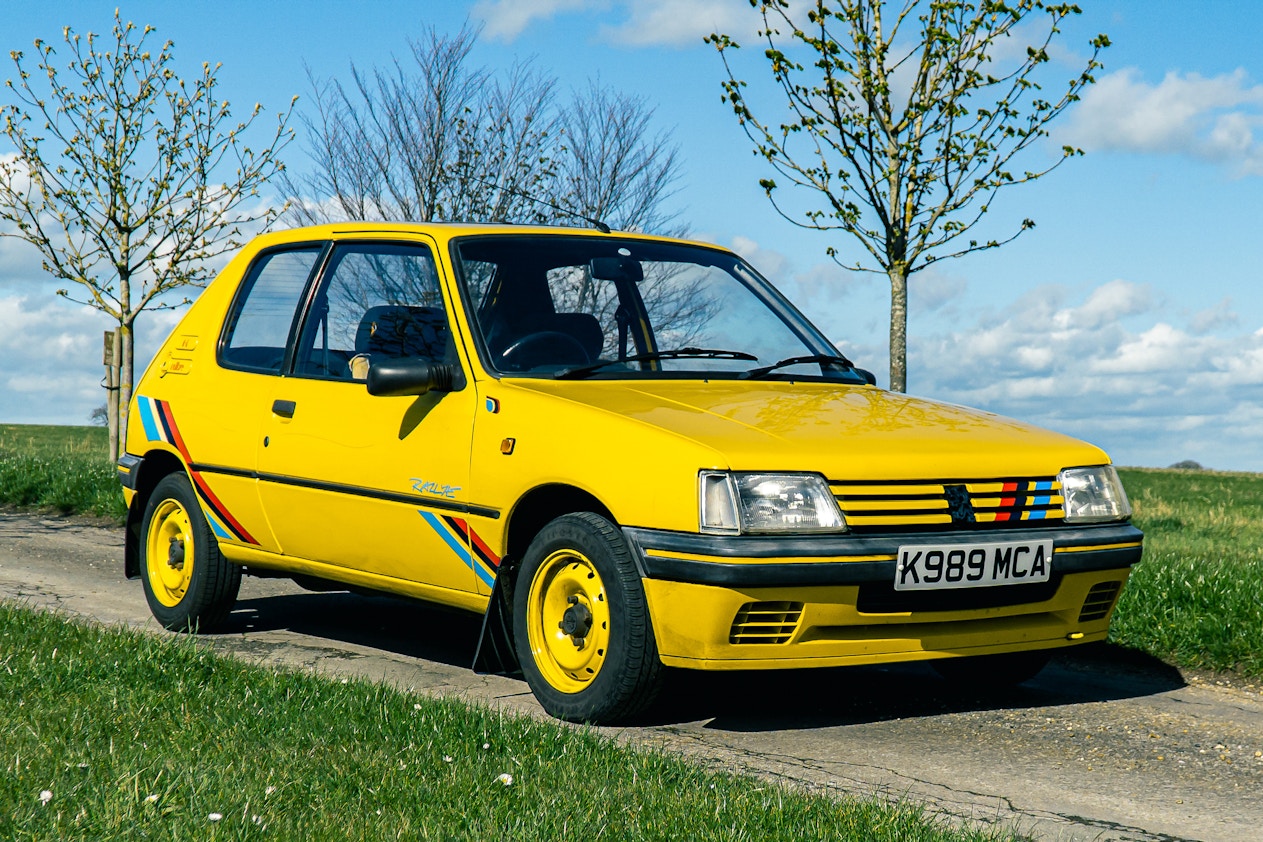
(581,623)
(189,586)
(992,671)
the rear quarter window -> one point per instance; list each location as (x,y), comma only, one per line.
(262,317)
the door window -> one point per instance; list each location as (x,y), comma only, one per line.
(380,301)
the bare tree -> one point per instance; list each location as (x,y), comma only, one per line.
(434,139)
(905,129)
(610,168)
(439,138)
(116,177)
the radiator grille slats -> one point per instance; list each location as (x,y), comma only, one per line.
(980,503)
(765,622)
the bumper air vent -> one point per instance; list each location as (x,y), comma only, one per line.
(1099,601)
(765,622)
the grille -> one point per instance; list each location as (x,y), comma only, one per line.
(979,503)
(1099,601)
(765,622)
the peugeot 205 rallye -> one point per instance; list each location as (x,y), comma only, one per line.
(626,452)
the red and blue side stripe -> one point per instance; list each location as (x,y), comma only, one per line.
(461,538)
(159,424)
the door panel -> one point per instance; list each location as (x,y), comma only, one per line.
(366,482)
(360,481)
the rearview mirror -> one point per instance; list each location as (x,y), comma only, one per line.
(617,269)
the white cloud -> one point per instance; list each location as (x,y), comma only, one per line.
(1209,118)
(1221,315)
(679,23)
(1109,366)
(648,23)
(505,20)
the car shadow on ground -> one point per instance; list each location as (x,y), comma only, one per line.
(731,701)
(816,698)
(404,627)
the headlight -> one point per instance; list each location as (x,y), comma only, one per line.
(733,503)
(1094,495)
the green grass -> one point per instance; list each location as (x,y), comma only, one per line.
(62,468)
(1195,598)
(135,736)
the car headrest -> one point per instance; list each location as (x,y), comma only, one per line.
(399,331)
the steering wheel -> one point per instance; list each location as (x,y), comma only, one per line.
(544,347)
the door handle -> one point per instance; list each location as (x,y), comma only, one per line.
(285,409)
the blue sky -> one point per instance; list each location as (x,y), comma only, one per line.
(1131,316)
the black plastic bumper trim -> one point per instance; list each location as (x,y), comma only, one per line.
(830,570)
(129,470)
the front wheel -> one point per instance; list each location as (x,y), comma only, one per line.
(581,623)
(189,586)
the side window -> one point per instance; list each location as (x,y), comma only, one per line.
(259,325)
(378,301)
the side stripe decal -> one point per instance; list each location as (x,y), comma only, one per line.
(159,423)
(461,538)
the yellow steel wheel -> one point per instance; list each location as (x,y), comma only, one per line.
(170,552)
(581,627)
(568,620)
(188,583)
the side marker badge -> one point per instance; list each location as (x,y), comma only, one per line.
(493,405)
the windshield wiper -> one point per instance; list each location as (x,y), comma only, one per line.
(823,359)
(653,356)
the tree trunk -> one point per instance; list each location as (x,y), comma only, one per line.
(113,356)
(898,329)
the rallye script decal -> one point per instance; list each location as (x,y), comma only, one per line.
(159,423)
(464,541)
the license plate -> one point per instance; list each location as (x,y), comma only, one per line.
(932,567)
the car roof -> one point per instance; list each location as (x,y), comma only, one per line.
(445,231)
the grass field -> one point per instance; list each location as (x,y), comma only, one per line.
(61,468)
(108,734)
(1194,600)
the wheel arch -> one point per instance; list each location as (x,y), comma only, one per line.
(155,465)
(542,505)
(495,653)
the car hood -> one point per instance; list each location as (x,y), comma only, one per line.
(842,431)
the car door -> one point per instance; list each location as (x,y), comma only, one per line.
(372,484)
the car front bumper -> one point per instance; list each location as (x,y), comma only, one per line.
(756,602)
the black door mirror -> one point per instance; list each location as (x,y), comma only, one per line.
(395,378)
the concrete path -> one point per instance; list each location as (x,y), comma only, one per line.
(1098,747)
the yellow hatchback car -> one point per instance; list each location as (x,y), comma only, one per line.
(626,452)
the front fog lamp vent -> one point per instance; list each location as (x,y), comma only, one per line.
(1099,601)
(766,622)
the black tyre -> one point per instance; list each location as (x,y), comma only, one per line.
(581,624)
(992,671)
(189,586)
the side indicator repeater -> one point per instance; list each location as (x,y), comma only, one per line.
(506,446)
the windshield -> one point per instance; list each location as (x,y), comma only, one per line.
(550,306)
